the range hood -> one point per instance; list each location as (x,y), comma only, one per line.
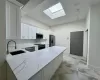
(20,3)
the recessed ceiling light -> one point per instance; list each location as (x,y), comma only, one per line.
(55,11)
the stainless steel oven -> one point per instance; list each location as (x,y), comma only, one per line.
(41,46)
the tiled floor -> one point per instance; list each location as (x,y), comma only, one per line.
(74,68)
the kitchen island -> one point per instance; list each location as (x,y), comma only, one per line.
(37,65)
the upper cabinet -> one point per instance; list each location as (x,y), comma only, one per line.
(13,21)
(17,30)
(24,31)
(32,32)
(28,31)
(44,32)
(39,30)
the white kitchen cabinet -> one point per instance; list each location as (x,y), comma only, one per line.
(24,31)
(32,32)
(56,62)
(13,20)
(38,76)
(39,30)
(28,31)
(49,70)
(46,34)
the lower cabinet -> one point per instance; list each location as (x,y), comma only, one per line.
(38,76)
(48,71)
(44,74)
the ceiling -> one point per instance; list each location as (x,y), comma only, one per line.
(74,9)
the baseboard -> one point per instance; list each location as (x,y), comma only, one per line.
(94,67)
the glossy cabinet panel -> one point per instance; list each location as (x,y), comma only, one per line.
(48,71)
(13,20)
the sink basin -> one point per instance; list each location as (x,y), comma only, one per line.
(17,52)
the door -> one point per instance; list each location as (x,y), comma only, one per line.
(76,43)
(51,40)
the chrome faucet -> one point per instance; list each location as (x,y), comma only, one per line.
(8,45)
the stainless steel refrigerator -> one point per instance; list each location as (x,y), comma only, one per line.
(51,40)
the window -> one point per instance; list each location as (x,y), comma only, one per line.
(55,11)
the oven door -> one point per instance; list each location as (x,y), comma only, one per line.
(41,47)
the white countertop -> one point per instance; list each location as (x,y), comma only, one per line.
(28,64)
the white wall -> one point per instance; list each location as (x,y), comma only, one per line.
(62,33)
(94,37)
(88,27)
(85,47)
(2,39)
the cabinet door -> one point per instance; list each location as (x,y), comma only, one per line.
(7,20)
(48,72)
(50,69)
(18,23)
(56,62)
(24,31)
(38,76)
(11,20)
(32,32)
(39,30)
(46,34)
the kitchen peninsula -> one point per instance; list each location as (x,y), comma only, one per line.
(37,65)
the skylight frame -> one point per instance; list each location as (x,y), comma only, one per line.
(55,8)
(58,11)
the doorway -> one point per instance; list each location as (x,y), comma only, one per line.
(76,43)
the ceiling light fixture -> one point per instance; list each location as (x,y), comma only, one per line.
(55,11)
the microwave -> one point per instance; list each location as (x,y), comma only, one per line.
(39,36)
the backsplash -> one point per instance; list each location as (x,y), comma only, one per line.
(24,43)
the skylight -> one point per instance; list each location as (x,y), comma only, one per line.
(55,11)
